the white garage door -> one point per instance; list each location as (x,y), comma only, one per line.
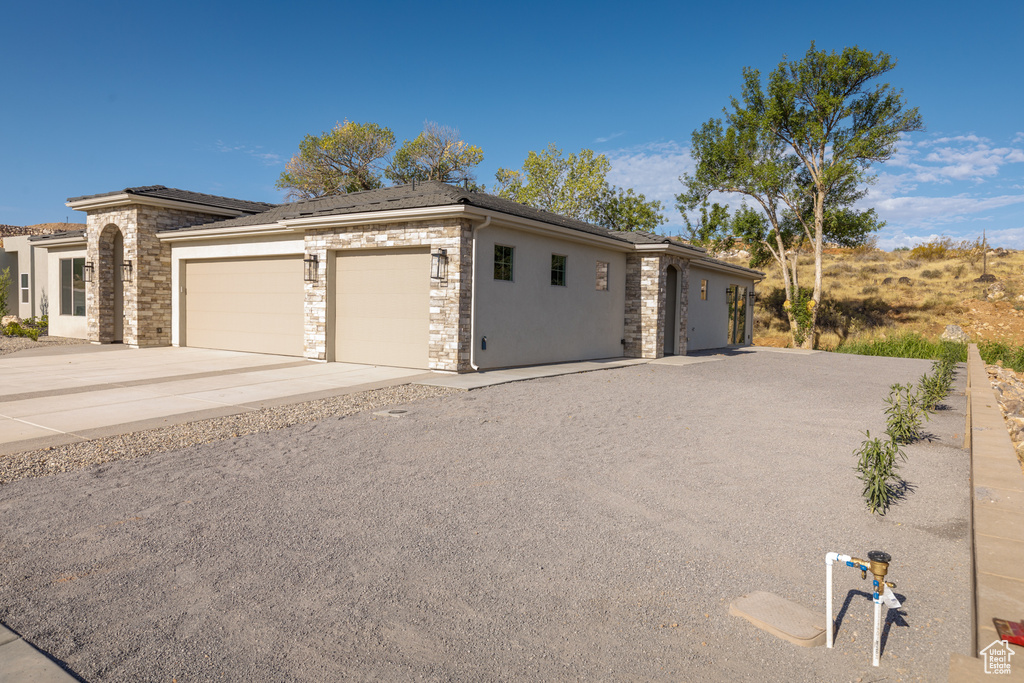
(247,304)
(382,308)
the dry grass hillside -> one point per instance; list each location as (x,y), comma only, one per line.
(869,293)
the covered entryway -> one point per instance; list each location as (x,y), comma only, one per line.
(245,304)
(382,307)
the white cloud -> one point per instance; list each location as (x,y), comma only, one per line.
(930,211)
(268,158)
(652,170)
(1009,238)
(610,137)
(1019,137)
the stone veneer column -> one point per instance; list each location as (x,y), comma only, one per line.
(147,296)
(645,304)
(449,299)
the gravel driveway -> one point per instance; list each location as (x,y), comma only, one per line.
(584,527)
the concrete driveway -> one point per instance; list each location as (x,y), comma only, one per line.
(75,393)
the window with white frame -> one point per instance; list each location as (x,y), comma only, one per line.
(558,262)
(503,257)
(72,286)
(24,288)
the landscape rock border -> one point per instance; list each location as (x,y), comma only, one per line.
(1009,386)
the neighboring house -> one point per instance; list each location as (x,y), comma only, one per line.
(27,296)
(385,277)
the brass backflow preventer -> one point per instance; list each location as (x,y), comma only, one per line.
(878,564)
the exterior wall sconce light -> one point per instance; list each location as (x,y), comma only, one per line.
(750,295)
(311,268)
(87,272)
(126,271)
(439,265)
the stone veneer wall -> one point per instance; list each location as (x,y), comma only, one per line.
(147,297)
(450,300)
(645,304)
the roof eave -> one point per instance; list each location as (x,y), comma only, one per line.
(73,241)
(125,198)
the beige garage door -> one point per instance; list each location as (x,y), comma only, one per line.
(247,304)
(382,308)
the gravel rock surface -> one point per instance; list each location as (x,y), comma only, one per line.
(133,445)
(12,344)
(584,527)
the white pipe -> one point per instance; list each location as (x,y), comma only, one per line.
(830,559)
(828,598)
(472,302)
(876,648)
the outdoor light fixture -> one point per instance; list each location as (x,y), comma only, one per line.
(439,265)
(311,268)
(750,295)
(126,271)
(87,272)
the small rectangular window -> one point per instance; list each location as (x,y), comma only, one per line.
(703,290)
(72,286)
(602,276)
(503,262)
(24,288)
(558,270)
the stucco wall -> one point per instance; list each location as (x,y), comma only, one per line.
(709,319)
(276,245)
(23,257)
(529,320)
(64,325)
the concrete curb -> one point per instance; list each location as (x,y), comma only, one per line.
(21,662)
(997,516)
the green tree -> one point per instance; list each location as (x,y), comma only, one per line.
(348,158)
(438,153)
(576,186)
(624,209)
(5,288)
(799,149)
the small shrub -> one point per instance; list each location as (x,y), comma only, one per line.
(877,467)
(16,330)
(870,289)
(903,422)
(931,274)
(909,264)
(930,251)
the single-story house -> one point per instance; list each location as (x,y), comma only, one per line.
(425,275)
(27,296)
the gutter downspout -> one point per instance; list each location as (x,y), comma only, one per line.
(472,303)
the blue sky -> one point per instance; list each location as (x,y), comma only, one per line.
(215,96)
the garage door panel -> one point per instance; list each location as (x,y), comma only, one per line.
(248,304)
(382,308)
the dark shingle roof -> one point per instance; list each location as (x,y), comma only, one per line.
(57,235)
(425,194)
(161,192)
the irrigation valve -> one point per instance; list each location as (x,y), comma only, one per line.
(878,564)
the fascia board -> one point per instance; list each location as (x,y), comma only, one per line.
(60,242)
(373,217)
(124,199)
(755,275)
(541,228)
(674,249)
(242,231)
